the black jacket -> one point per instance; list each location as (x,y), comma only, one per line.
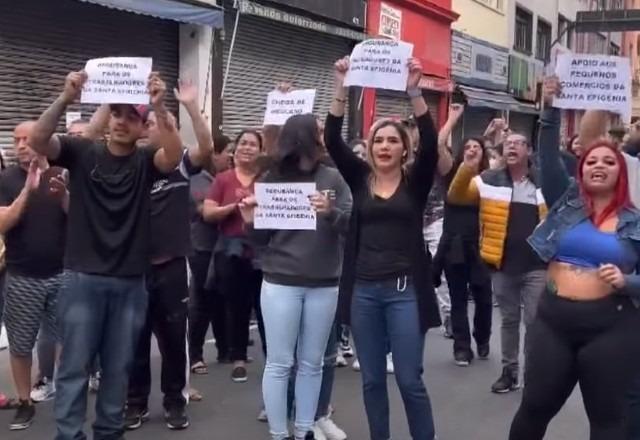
(419,181)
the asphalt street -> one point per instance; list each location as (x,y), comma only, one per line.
(464,408)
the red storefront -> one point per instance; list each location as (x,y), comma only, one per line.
(426,24)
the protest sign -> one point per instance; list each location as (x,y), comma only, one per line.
(117,80)
(390,22)
(71,117)
(380,64)
(281,106)
(284,206)
(594,82)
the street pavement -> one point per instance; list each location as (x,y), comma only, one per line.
(464,409)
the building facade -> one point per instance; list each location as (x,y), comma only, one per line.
(427,25)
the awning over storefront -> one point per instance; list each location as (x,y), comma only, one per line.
(495,100)
(212,16)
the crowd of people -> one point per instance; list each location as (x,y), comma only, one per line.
(117,231)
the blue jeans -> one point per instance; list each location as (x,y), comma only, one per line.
(298,322)
(98,316)
(388,311)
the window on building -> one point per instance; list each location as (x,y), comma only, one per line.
(523,31)
(614,49)
(543,40)
(567,35)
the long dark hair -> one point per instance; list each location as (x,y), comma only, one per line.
(299,147)
(459,156)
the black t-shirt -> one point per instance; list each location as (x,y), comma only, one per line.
(109,212)
(35,245)
(170,230)
(460,220)
(384,249)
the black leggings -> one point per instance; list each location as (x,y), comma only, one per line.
(593,343)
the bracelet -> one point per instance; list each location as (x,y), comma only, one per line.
(340,100)
(414,92)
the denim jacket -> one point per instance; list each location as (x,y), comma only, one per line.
(567,207)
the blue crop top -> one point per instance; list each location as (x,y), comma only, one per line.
(584,245)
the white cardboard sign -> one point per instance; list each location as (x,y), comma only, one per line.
(284,206)
(381,64)
(117,80)
(594,82)
(281,106)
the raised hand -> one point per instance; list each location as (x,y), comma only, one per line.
(284,87)
(157,89)
(550,89)
(341,67)
(73,84)
(186,93)
(415,73)
(472,159)
(456,111)
(33,176)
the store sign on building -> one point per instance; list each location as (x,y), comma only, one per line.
(524,78)
(479,63)
(350,12)
(257,9)
(390,22)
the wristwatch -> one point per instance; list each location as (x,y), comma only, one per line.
(414,92)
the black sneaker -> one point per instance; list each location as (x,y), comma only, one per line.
(24,416)
(507,382)
(176,418)
(483,351)
(239,375)
(134,417)
(309,436)
(463,358)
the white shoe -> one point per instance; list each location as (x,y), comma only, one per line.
(317,433)
(390,369)
(356,365)
(44,390)
(341,361)
(94,382)
(330,430)
(262,417)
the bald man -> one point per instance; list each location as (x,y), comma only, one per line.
(33,222)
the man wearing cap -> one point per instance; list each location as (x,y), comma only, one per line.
(103,303)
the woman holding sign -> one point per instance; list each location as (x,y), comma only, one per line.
(386,291)
(301,272)
(587,330)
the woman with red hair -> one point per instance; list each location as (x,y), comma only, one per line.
(587,330)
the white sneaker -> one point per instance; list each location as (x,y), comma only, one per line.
(94,382)
(44,390)
(390,369)
(341,361)
(356,365)
(330,430)
(317,433)
(262,417)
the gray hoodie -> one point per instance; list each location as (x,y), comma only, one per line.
(308,258)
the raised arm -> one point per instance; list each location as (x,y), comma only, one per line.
(424,168)
(187,95)
(351,167)
(593,126)
(554,177)
(42,139)
(98,123)
(463,189)
(168,156)
(445,158)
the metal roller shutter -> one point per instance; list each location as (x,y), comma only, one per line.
(267,52)
(41,41)
(391,104)
(474,123)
